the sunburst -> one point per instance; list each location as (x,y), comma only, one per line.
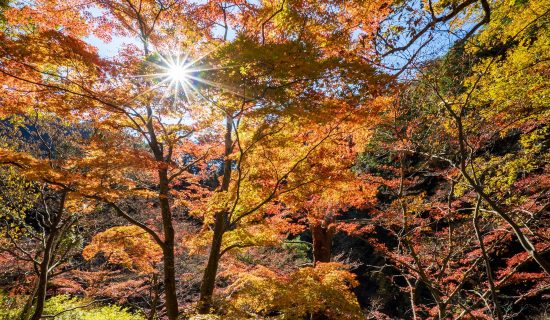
(180,76)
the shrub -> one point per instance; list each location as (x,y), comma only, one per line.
(67,308)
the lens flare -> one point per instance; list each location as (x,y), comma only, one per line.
(178,73)
(181,76)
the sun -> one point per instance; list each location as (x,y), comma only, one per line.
(178,73)
(178,70)
(180,77)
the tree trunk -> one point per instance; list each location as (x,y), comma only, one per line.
(170,282)
(170,294)
(155,294)
(41,291)
(27,308)
(209,278)
(485,256)
(322,233)
(220,226)
(472,181)
(42,287)
(168,255)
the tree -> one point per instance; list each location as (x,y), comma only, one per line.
(411,32)
(286,70)
(264,292)
(107,95)
(320,205)
(40,219)
(450,128)
(467,123)
(226,128)
(159,153)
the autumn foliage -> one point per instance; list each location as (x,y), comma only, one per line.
(290,159)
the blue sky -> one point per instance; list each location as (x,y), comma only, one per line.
(110,49)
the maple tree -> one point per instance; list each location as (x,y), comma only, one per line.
(113,112)
(48,244)
(228,146)
(292,295)
(455,140)
(261,131)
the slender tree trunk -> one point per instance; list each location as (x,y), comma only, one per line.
(441,305)
(25,312)
(170,292)
(322,234)
(412,295)
(41,291)
(209,278)
(170,283)
(488,268)
(42,287)
(527,245)
(472,180)
(168,255)
(221,224)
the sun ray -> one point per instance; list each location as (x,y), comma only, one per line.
(179,76)
(219,86)
(156,86)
